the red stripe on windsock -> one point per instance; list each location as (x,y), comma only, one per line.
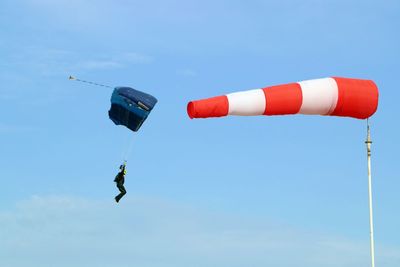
(211,107)
(283,99)
(356,98)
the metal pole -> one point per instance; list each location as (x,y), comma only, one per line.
(368,142)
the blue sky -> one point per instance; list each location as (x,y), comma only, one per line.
(254,191)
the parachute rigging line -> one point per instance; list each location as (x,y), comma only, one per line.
(129,108)
(129,142)
(89,82)
(126,151)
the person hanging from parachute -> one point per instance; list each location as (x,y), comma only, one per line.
(130,108)
(120,180)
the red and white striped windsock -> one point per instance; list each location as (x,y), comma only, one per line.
(332,96)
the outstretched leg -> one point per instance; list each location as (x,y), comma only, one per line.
(120,195)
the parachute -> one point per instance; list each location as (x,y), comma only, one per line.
(333,96)
(130,107)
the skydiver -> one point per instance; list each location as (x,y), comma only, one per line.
(120,179)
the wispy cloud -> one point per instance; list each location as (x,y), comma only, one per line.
(28,72)
(49,61)
(100,64)
(11,129)
(149,232)
(114,62)
(135,58)
(186,72)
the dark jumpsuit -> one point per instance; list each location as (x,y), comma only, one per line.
(120,180)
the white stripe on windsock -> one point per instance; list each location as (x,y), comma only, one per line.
(319,96)
(247,103)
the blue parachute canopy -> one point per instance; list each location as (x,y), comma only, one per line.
(130,107)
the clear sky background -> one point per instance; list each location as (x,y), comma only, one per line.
(230,192)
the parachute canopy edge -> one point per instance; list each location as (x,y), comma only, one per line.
(130,107)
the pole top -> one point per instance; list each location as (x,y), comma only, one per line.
(368,141)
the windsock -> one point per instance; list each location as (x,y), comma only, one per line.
(333,96)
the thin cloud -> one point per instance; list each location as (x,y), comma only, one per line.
(50,61)
(12,129)
(101,64)
(72,231)
(187,72)
(135,58)
(117,61)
